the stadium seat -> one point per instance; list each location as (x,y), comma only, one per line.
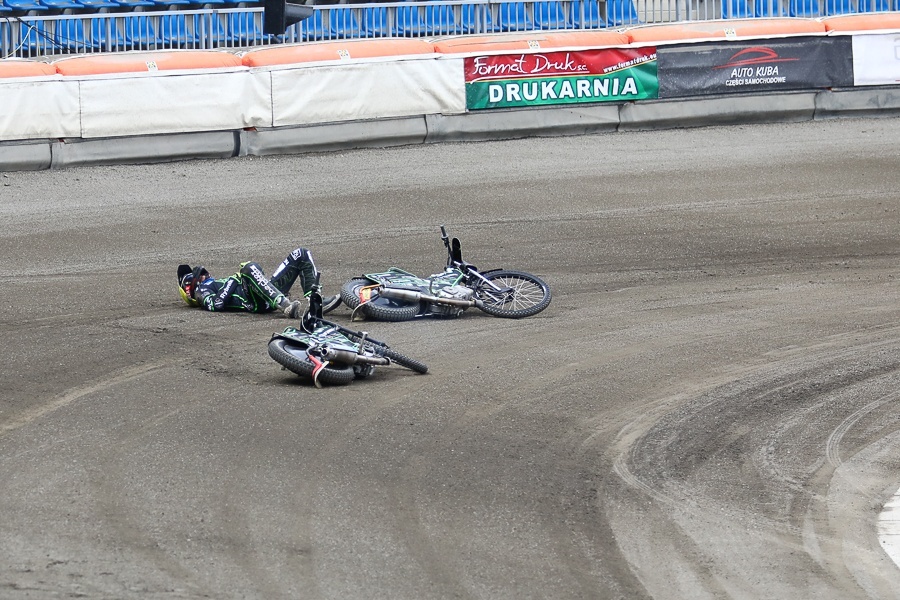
(441,20)
(343,24)
(25,6)
(313,28)
(34,38)
(105,34)
(131,5)
(409,22)
(209,30)
(552,15)
(769,8)
(375,22)
(174,32)
(140,32)
(514,16)
(586,14)
(621,12)
(477,18)
(867,6)
(243,27)
(839,7)
(735,9)
(70,35)
(58,6)
(804,8)
(96,5)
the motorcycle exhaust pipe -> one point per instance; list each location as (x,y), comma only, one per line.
(411,296)
(352,358)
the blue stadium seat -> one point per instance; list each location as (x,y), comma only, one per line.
(621,12)
(70,35)
(552,15)
(586,14)
(477,18)
(313,28)
(209,29)
(243,27)
(23,6)
(57,6)
(441,20)
(4,9)
(140,32)
(769,8)
(175,33)
(804,8)
(130,5)
(409,22)
(35,38)
(105,34)
(343,24)
(96,5)
(514,16)
(735,9)
(839,7)
(375,22)
(867,6)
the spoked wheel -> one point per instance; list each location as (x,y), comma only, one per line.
(528,295)
(294,357)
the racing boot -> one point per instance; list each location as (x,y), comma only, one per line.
(292,309)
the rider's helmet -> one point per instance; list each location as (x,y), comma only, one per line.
(187,278)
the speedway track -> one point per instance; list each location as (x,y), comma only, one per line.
(707,409)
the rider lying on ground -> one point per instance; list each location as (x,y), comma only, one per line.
(250,290)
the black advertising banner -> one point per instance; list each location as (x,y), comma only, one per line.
(755,66)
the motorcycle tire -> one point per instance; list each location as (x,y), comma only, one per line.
(405,361)
(531,296)
(350,291)
(294,358)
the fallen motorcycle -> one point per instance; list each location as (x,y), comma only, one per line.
(398,295)
(328,353)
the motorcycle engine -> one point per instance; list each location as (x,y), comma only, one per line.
(457,292)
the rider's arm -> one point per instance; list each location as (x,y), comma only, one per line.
(213,300)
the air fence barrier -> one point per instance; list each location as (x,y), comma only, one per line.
(108,108)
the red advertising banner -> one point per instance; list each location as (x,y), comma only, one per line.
(614,74)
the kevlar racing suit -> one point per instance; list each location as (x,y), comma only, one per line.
(250,290)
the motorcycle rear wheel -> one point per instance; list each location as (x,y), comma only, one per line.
(531,295)
(294,358)
(376,309)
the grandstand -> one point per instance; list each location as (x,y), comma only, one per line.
(49,28)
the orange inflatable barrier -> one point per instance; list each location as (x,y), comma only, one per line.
(533,40)
(864,22)
(136,62)
(25,68)
(724,28)
(336,50)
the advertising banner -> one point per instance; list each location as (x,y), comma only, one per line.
(608,75)
(876,59)
(755,66)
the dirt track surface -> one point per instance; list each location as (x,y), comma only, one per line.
(707,409)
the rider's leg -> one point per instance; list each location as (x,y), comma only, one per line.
(266,294)
(298,265)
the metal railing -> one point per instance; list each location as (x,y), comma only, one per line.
(35,36)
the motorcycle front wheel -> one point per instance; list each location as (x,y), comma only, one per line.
(529,296)
(294,358)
